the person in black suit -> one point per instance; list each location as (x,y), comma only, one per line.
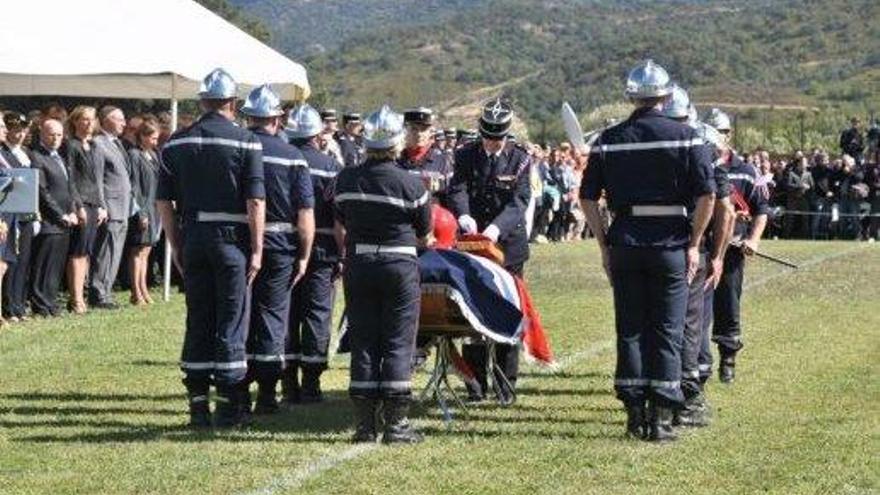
(58,200)
(16,154)
(143,225)
(81,164)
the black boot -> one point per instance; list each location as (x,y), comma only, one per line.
(397,426)
(266,401)
(365,414)
(726,371)
(636,421)
(199,411)
(290,391)
(694,414)
(229,410)
(311,384)
(660,424)
(476,356)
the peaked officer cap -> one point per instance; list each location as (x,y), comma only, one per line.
(218,85)
(420,115)
(718,119)
(648,80)
(262,102)
(304,122)
(328,114)
(450,133)
(350,117)
(496,119)
(383,129)
(678,105)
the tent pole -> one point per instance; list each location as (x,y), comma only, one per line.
(166,272)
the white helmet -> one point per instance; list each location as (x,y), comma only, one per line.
(383,129)
(304,122)
(262,102)
(218,85)
(678,105)
(718,119)
(648,80)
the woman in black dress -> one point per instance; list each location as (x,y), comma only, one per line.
(143,226)
(81,126)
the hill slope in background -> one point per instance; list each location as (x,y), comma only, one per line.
(802,53)
(303,27)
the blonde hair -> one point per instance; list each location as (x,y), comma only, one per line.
(78,113)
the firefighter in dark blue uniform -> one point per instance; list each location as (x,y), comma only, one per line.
(421,158)
(385,213)
(750,203)
(290,229)
(351,143)
(652,170)
(311,312)
(694,412)
(212,177)
(489,193)
(329,142)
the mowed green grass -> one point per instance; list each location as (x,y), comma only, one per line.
(94,404)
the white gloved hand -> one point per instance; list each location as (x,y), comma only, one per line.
(468,224)
(492,232)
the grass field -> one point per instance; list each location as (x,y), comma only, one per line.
(94,404)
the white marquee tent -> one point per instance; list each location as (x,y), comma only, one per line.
(158,49)
(131,49)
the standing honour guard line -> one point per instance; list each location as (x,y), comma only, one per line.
(263,220)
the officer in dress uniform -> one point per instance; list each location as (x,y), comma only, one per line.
(350,139)
(752,207)
(385,213)
(652,170)
(489,193)
(212,177)
(287,242)
(329,144)
(312,307)
(695,409)
(421,158)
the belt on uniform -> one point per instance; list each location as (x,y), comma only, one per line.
(220,216)
(653,211)
(377,249)
(280,227)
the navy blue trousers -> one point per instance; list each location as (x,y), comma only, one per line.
(311,317)
(382,297)
(727,329)
(692,342)
(270,307)
(215,261)
(705,358)
(650,299)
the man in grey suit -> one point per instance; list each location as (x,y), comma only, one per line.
(112,173)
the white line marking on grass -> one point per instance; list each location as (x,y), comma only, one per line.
(296,478)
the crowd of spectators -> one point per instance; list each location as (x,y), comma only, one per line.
(814,195)
(96,223)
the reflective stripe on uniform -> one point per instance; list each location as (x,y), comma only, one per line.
(658,211)
(313,359)
(376,198)
(198,398)
(743,177)
(211,365)
(232,143)
(362,384)
(376,249)
(690,374)
(280,227)
(292,357)
(266,358)
(662,384)
(705,367)
(219,216)
(285,162)
(630,382)
(399,385)
(325,231)
(323,173)
(651,145)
